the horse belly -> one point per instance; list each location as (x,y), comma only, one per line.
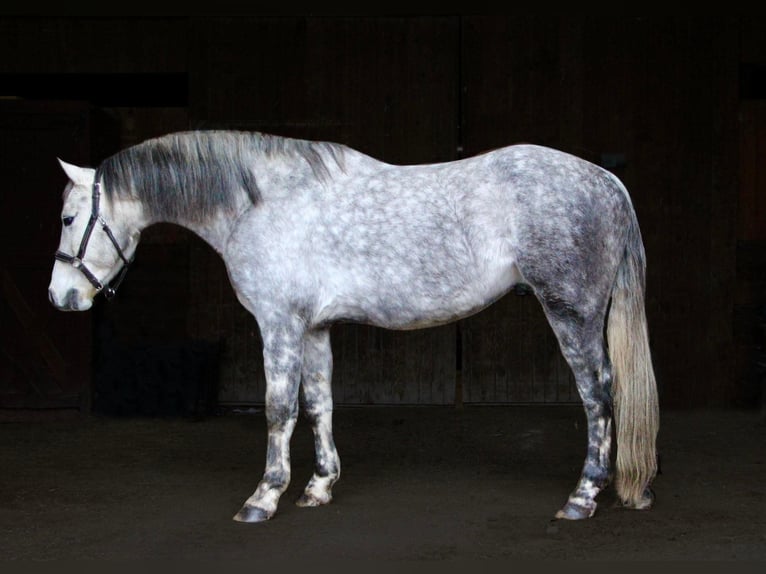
(474,296)
(407,303)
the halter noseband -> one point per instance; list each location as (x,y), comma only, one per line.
(76,261)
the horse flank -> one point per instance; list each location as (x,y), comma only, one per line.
(195,175)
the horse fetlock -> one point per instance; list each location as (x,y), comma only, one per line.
(318,492)
(598,481)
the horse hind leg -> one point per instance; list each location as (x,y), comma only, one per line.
(582,344)
(316,392)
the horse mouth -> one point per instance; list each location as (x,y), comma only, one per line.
(71,301)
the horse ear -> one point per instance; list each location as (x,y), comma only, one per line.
(78,175)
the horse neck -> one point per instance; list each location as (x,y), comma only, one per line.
(124,216)
(214,229)
(276,181)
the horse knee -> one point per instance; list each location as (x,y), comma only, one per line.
(280,414)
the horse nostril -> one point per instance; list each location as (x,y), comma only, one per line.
(51,297)
(71,301)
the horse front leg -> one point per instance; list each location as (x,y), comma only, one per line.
(316,388)
(282,354)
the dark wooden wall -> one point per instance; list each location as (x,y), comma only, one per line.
(656,100)
(44,354)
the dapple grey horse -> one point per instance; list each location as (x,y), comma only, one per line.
(314,233)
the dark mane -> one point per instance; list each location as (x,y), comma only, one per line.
(194,175)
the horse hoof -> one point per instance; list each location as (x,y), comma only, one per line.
(311,501)
(644,503)
(251,514)
(572,511)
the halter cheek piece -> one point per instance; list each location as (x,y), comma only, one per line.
(76,261)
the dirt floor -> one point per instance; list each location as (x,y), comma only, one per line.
(418,484)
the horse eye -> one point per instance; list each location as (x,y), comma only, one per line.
(67,221)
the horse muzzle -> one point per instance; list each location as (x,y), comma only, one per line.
(72,301)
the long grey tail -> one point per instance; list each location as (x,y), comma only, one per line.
(636,402)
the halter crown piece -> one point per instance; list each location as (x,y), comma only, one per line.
(76,261)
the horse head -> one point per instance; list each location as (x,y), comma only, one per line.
(97,242)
